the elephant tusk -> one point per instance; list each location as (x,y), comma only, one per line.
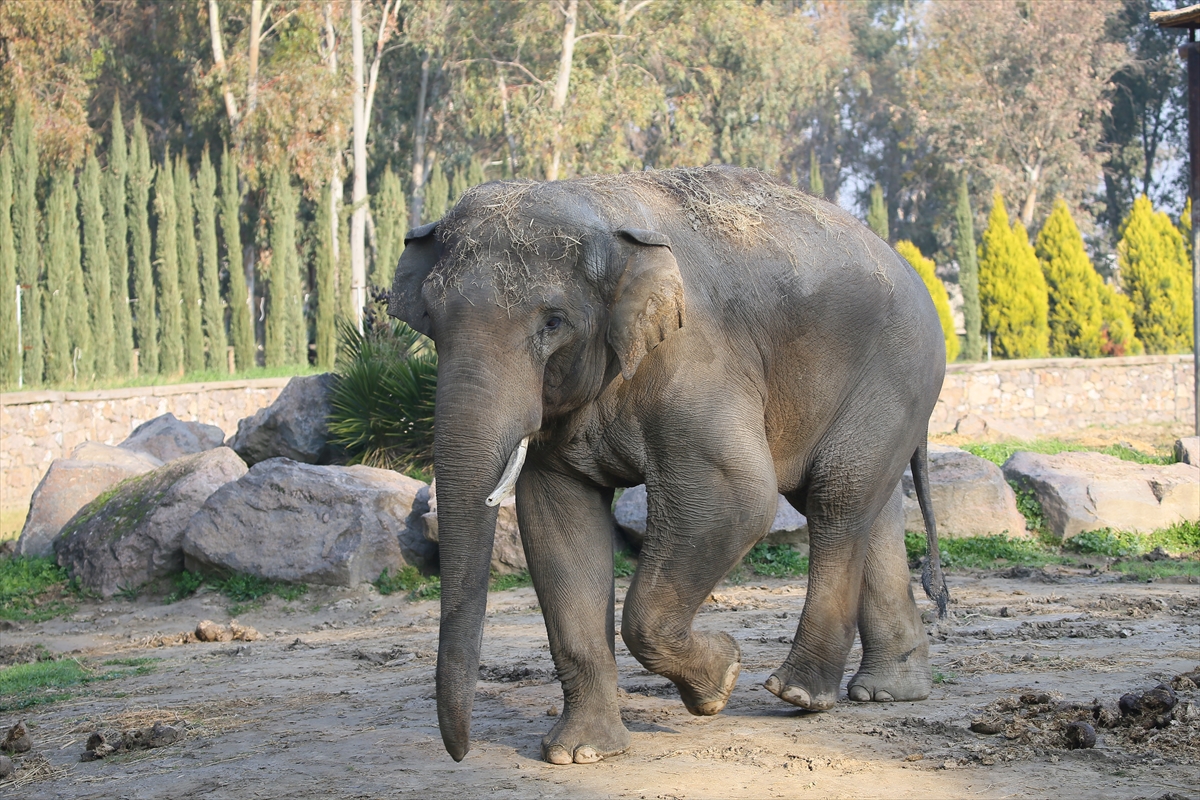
(512,471)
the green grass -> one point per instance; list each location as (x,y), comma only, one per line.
(184,585)
(34,589)
(1151,570)
(999,452)
(26,685)
(244,591)
(623,565)
(776,561)
(409,579)
(1182,538)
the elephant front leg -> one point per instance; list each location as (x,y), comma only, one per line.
(566,529)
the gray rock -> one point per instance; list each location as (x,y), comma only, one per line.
(136,535)
(72,483)
(1086,491)
(789,526)
(970,497)
(508,555)
(168,438)
(295,426)
(288,521)
(1187,450)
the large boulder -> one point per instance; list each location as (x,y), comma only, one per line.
(970,497)
(307,523)
(168,438)
(789,526)
(1187,450)
(508,555)
(1086,491)
(295,426)
(72,483)
(136,535)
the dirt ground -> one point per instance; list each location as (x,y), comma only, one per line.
(337,700)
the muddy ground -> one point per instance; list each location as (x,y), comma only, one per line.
(337,700)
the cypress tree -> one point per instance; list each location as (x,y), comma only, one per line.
(1072,284)
(458,185)
(437,195)
(284,329)
(877,217)
(25,242)
(210,265)
(166,259)
(189,268)
(327,304)
(345,303)
(815,185)
(241,325)
(144,306)
(1012,290)
(390,228)
(475,175)
(941,299)
(1157,278)
(1117,337)
(57,295)
(96,270)
(79,323)
(117,230)
(10,354)
(968,272)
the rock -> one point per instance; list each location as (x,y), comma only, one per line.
(789,526)
(168,438)
(970,497)
(72,483)
(295,426)
(1187,450)
(508,555)
(1088,491)
(6,767)
(17,739)
(136,536)
(288,521)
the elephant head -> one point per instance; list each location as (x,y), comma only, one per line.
(538,296)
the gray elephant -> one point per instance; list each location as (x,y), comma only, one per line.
(711,333)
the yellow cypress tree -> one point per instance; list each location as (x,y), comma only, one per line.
(941,300)
(1157,278)
(1074,286)
(1012,290)
(1117,336)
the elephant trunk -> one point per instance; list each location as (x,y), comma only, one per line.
(480,426)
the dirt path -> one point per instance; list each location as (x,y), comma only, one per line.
(337,700)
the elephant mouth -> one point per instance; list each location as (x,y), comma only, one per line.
(508,479)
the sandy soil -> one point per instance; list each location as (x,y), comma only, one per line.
(337,700)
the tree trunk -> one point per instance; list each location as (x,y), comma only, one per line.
(256,21)
(561,85)
(358,222)
(1030,204)
(418,162)
(508,134)
(214,29)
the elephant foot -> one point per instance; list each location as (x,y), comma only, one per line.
(804,690)
(706,690)
(584,738)
(908,677)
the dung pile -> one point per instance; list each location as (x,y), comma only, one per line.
(102,744)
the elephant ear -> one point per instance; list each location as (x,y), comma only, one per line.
(405,302)
(648,301)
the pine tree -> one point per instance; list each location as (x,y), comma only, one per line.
(25,242)
(1072,284)
(189,268)
(941,299)
(475,175)
(1117,336)
(1157,278)
(437,195)
(166,258)
(210,265)
(96,269)
(877,216)
(815,185)
(145,306)
(458,185)
(117,230)
(1012,290)
(241,325)
(10,353)
(390,228)
(57,295)
(326,274)
(79,323)
(284,330)
(968,272)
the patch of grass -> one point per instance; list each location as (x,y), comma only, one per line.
(430,590)
(776,561)
(410,579)
(1151,570)
(245,591)
(1030,508)
(999,452)
(33,589)
(914,547)
(26,685)
(983,552)
(623,564)
(502,583)
(1181,538)
(185,584)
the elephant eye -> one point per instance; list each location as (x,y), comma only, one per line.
(553,324)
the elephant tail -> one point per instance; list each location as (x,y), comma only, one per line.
(932,578)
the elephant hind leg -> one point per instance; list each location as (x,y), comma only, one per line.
(895,663)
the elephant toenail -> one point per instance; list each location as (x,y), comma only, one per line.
(883,696)
(557,754)
(585,754)
(797,696)
(773,685)
(858,694)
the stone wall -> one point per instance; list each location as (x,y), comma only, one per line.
(38,427)
(1050,396)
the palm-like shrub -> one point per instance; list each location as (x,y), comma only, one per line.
(384,398)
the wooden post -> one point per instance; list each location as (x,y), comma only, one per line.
(1193,68)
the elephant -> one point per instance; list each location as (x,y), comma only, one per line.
(720,337)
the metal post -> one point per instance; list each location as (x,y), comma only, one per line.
(20,344)
(1193,67)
